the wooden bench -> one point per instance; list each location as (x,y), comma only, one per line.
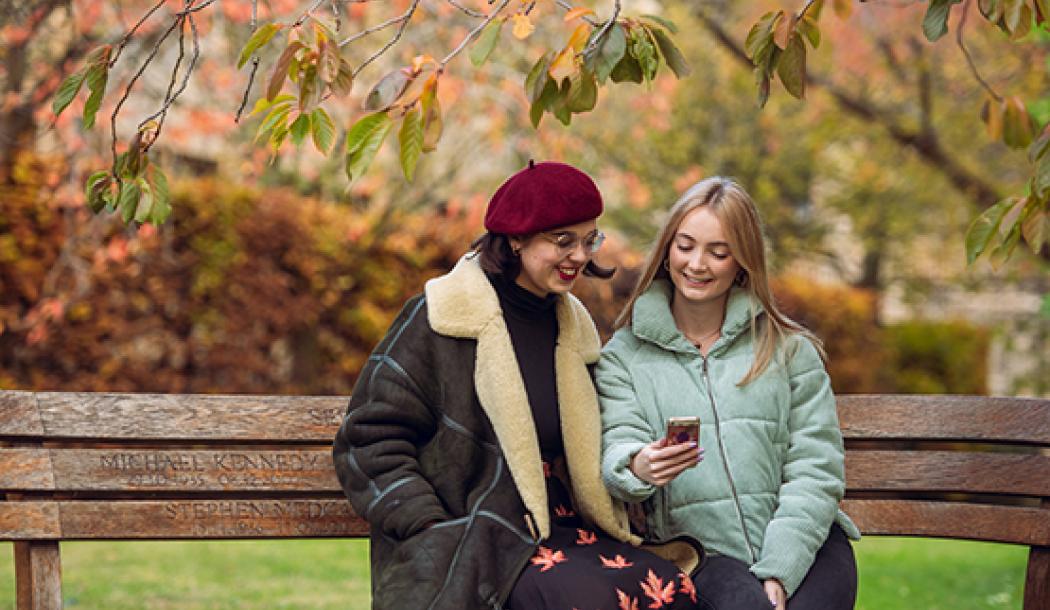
(78,466)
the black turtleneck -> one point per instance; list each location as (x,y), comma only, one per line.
(533,325)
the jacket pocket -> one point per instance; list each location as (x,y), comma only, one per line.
(415,568)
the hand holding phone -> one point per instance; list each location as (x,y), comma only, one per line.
(664,459)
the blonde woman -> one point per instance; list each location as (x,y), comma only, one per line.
(702,336)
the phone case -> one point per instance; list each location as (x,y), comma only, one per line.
(683,430)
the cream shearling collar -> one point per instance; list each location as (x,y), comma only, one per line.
(463,304)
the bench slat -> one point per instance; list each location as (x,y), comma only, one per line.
(29,521)
(174,416)
(992,419)
(948,471)
(197,470)
(181,519)
(19,415)
(1011,524)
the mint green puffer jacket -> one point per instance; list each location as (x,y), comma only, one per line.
(769,487)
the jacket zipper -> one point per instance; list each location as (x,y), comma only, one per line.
(725,463)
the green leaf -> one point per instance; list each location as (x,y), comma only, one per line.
(257,40)
(1035,225)
(762,79)
(612,49)
(299,128)
(809,28)
(760,35)
(1041,180)
(344,81)
(536,80)
(1018,126)
(667,24)
(96,78)
(984,228)
(280,69)
(67,91)
(161,196)
(128,200)
(1002,253)
(991,9)
(559,105)
(433,124)
(144,209)
(410,139)
(311,90)
(486,42)
(364,140)
(674,58)
(935,23)
(322,130)
(643,47)
(278,114)
(543,103)
(1043,9)
(792,67)
(96,188)
(328,62)
(1012,14)
(387,90)
(583,92)
(628,70)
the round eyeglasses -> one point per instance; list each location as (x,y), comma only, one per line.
(567,241)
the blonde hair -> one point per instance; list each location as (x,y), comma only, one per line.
(740,221)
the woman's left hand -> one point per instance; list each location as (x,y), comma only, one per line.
(776,594)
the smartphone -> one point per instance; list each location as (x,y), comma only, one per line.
(683,430)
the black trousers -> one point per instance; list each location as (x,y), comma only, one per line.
(724,583)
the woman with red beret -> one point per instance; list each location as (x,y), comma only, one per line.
(472,440)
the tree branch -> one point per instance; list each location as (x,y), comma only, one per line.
(966,53)
(925,144)
(472,34)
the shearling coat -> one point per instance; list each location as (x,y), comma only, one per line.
(439,430)
(769,487)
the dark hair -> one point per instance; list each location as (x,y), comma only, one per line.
(496,256)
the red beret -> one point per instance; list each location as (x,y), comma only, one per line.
(543,196)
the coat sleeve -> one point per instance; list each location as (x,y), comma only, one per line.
(624,428)
(389,418)
(813,476)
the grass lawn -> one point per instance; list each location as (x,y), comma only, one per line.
(895,574)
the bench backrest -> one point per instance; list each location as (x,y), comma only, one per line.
(120,466)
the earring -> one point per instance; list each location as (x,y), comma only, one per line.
(667,264)
(741,278)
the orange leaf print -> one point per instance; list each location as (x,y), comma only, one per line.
(586,537)
(688,587)
(547,558)
(562,511)
(546,470)
(626,601)
(654,589)
(617,563)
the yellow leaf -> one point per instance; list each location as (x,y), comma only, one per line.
(579,37)
(522,26)
(564,65)
(577,12)
(421,60)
